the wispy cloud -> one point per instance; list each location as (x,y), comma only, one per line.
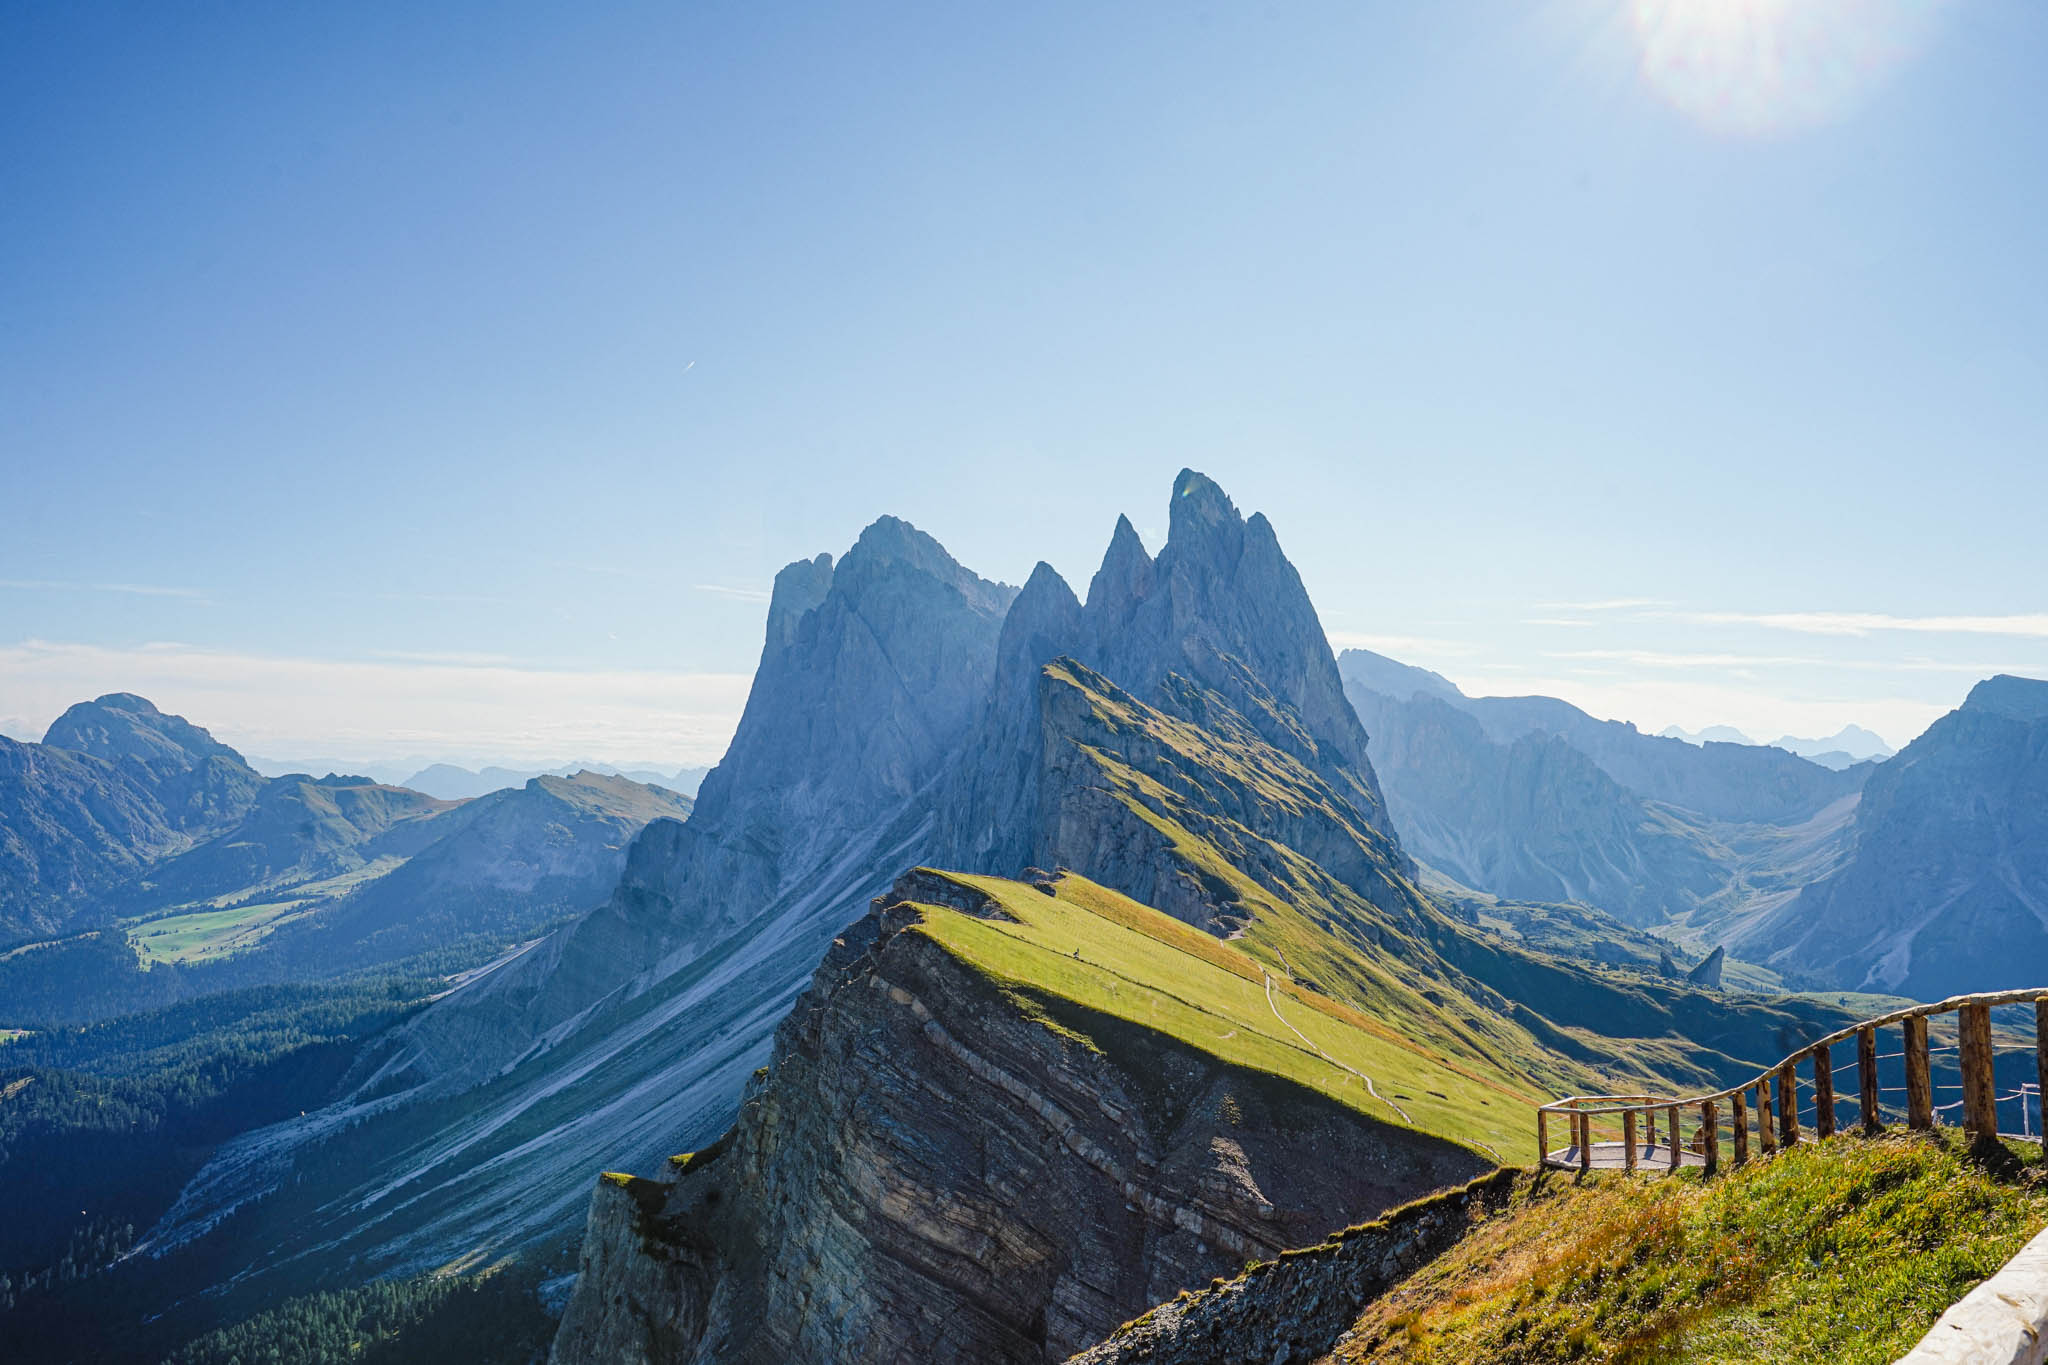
(470,598)
(2032,625)
(459,658)
(1652,658)
(131,589)
(602,570)
(736,594)
(1605,604)
(365,709)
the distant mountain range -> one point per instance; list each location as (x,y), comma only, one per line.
(1923,873)
(452,783)
(1852,744)
(1713,734)
(1946,889)
(131,839)
(1533,799)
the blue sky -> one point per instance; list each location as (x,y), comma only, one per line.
(451,380)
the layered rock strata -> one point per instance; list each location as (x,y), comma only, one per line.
(930,1171)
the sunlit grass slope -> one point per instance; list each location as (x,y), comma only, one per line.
(1351,925)
(1842,1251)
(1092,947)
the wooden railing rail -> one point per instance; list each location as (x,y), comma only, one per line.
(1774,1092)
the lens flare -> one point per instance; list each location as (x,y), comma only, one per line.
(1764,66)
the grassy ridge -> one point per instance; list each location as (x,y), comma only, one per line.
(1106,952)
(1841,1251)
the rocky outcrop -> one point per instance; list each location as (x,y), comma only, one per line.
(929,1173)
(1708,972)
(1947,889)
(1297,1308)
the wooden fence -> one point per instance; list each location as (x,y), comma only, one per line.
(1775,1093)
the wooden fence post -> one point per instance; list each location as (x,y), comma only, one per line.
(1866,1080)
(1738,1119)
(2041,1068)
(1710,1137)
(1766,1136)
(1585,1122)
(1980,1091)
(1677,1151)
(1823,1093)
(1919,1085)
(1628,1140)
(1788,1105)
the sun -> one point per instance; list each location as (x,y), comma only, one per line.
(1764,66)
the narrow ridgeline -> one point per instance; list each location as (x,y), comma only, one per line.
(1005,1118)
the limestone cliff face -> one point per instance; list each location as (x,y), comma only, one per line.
(929,1173)
(870,672)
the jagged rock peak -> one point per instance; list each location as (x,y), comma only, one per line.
(2012,696)
(1200,510)
(892,540)
(1126,572)
(1046,610)
(798,588)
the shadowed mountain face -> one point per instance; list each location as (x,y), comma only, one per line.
(1532,799)
(1947,889)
